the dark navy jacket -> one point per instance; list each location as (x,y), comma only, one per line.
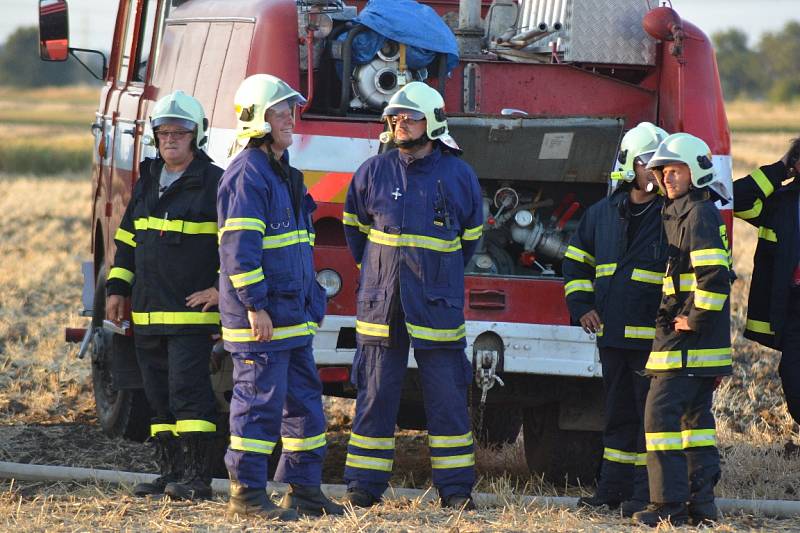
(167,249)
(761,200)
(412,227)
(266,240)
(698,285)
(621,280)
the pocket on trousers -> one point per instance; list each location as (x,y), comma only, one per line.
(357,372)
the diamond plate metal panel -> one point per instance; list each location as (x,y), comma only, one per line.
(608,31)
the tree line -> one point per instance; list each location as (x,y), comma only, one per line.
(770,70)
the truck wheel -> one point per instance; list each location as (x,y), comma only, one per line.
(501,424)
(559,454)
(122,413)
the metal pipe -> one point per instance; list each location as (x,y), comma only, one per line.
(557,15)
(562,17)
(310,67)
(548,13)
(347,65)
(525,15)
(469,15)
(539,14)
(29,472)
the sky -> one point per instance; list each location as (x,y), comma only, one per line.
(92,21)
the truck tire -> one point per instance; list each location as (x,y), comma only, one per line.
(121,413)
(501,424)
(559,454)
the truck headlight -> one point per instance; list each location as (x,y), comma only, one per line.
(330,280)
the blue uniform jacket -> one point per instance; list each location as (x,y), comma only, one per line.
(266,254)
(412,226)
(621,280)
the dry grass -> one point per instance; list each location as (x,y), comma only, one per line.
(44,233)
(745,116)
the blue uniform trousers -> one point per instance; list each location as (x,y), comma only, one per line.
(276,394)
(378,374)
(623,473)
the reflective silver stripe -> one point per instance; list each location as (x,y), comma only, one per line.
(619,456)
(351,219)
(711,301)
(251,445)
(453,461)
(606,269)
(247,278)
(303,444)
(576,285)
(576,254)
(439,335)
(669,440)
(709,257)
(371,443)
(289,238)
(693,438)
(710,357)
(647,276)
(368,463)
(414,241)
(373,330)
(450,441)
(640,332)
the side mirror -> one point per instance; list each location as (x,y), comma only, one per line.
(53,30)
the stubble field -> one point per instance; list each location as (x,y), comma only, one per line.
(47,410)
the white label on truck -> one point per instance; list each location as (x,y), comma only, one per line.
(556,146)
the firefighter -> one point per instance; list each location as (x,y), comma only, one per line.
(692,345)
(612,273)
(413,216)
(271,305)
(774,302)
(166,259)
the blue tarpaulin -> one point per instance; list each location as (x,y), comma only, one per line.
(406,21)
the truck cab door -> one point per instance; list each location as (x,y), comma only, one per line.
(136,23)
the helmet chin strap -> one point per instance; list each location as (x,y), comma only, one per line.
(413,143)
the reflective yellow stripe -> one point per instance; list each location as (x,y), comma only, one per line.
(179,226)
(759,326)
(373,330)
(576,254)
(195,426)
(664,360)
(174,317)
(694,438)
(301,445)
(438,335)
(641,459)
(619,456)
(371,443)
(647,276)
(709,257)
(279,333)
(578,285)
(688,282)
(763,182)
(247,278)
(450,441)
(453,461)
(753,212)
(286,239)
(368,463)
(472,234)
(414,241)
(351,219)
(243,444)
(767,234)
(668,440)
(161,428)
(709,357)
(723,234)
(121,273)
(244,224)
(125,236)
(711,301)
(669,286)
(640,332)
(606,269)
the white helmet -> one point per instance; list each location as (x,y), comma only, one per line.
(694,153)
(640,142)
(184,110)
(425,101)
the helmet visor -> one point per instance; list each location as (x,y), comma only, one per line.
(412,114)
(173,121)
(645,157)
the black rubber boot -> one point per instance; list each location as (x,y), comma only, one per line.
(629,507)
(195,484)
(246,501)
(703,514)
(309,500)
(674,513)
(360,498)
(459,502)
(597,501)
(168,454)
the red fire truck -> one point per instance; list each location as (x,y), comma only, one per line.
(540,98)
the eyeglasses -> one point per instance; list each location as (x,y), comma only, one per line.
(177,134)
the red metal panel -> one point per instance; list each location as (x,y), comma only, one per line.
(703,109)
(552,90)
